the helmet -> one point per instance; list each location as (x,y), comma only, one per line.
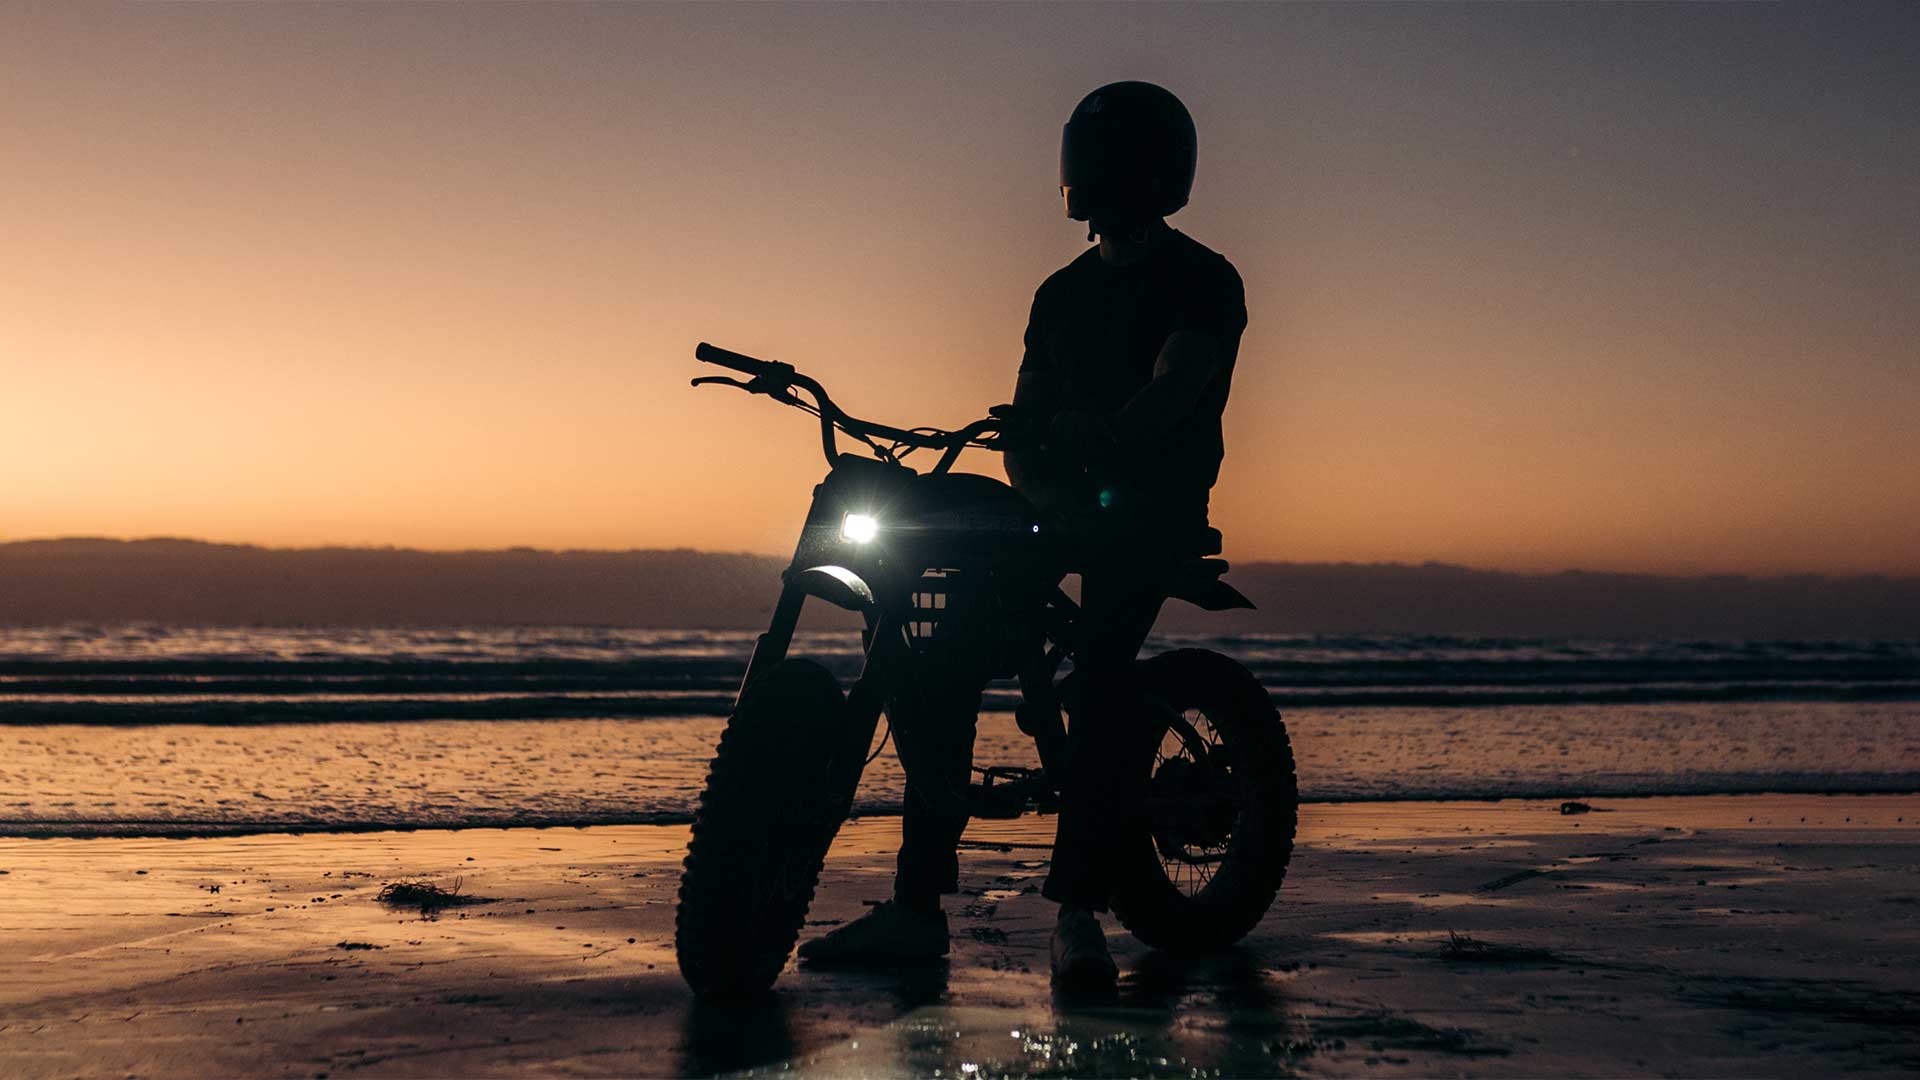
(1127,153)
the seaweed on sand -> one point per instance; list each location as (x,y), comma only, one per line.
(1378,1031)
(1460,948)
(426,896)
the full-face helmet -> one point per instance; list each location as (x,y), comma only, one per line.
(1127,154)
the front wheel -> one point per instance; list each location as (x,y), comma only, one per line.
(1222,807)
(766,818)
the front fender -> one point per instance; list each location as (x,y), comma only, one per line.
(837,585)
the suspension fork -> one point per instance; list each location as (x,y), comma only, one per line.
(771,647)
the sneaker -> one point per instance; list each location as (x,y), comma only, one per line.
(1080,957)
(887,936)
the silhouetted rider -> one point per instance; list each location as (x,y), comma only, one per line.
(1129,357)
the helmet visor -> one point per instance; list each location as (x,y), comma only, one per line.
(1098,174)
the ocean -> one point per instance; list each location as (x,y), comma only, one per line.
(160,730)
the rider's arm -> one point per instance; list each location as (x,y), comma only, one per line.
(1037,398)
(1188,363)
(1211,313)
(1037,393)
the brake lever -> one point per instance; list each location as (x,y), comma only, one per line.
(759,384)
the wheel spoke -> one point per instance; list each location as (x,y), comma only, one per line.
(1191,800)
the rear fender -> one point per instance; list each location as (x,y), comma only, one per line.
(1215,595)
(1199,583)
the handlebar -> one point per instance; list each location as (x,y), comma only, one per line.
(740,362)
(778,381)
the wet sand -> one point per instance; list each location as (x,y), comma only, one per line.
(1696,936)
(195,778)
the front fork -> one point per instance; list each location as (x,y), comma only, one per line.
(865,699)
(771,647)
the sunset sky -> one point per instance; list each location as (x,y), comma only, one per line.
(1531,286)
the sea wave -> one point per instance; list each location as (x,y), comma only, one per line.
(140,675)
(189,731)
(32,709)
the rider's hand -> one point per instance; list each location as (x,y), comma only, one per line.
(1082,436)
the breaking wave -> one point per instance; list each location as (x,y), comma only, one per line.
(150,675)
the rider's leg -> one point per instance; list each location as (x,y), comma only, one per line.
(937,736)
(933,731)
(1107,740)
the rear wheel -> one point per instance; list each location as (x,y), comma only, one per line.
(765,821)
(1222,805)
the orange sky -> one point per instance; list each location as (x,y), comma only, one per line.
(1530,287)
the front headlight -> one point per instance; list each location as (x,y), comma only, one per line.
(859,528)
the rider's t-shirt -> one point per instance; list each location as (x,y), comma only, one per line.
(1098,328)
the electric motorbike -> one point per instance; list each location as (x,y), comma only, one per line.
(955,573)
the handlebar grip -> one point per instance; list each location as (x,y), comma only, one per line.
(746,365)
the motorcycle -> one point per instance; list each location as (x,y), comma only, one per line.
(954,572)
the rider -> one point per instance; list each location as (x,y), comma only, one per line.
(1129,356)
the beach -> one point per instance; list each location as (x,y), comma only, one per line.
(1694,935)
(460,451)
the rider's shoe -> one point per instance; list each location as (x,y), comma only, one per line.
(1080,957)
(888,936)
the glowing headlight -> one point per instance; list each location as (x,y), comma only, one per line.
(859,528)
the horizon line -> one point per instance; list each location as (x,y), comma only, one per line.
(1913,575)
